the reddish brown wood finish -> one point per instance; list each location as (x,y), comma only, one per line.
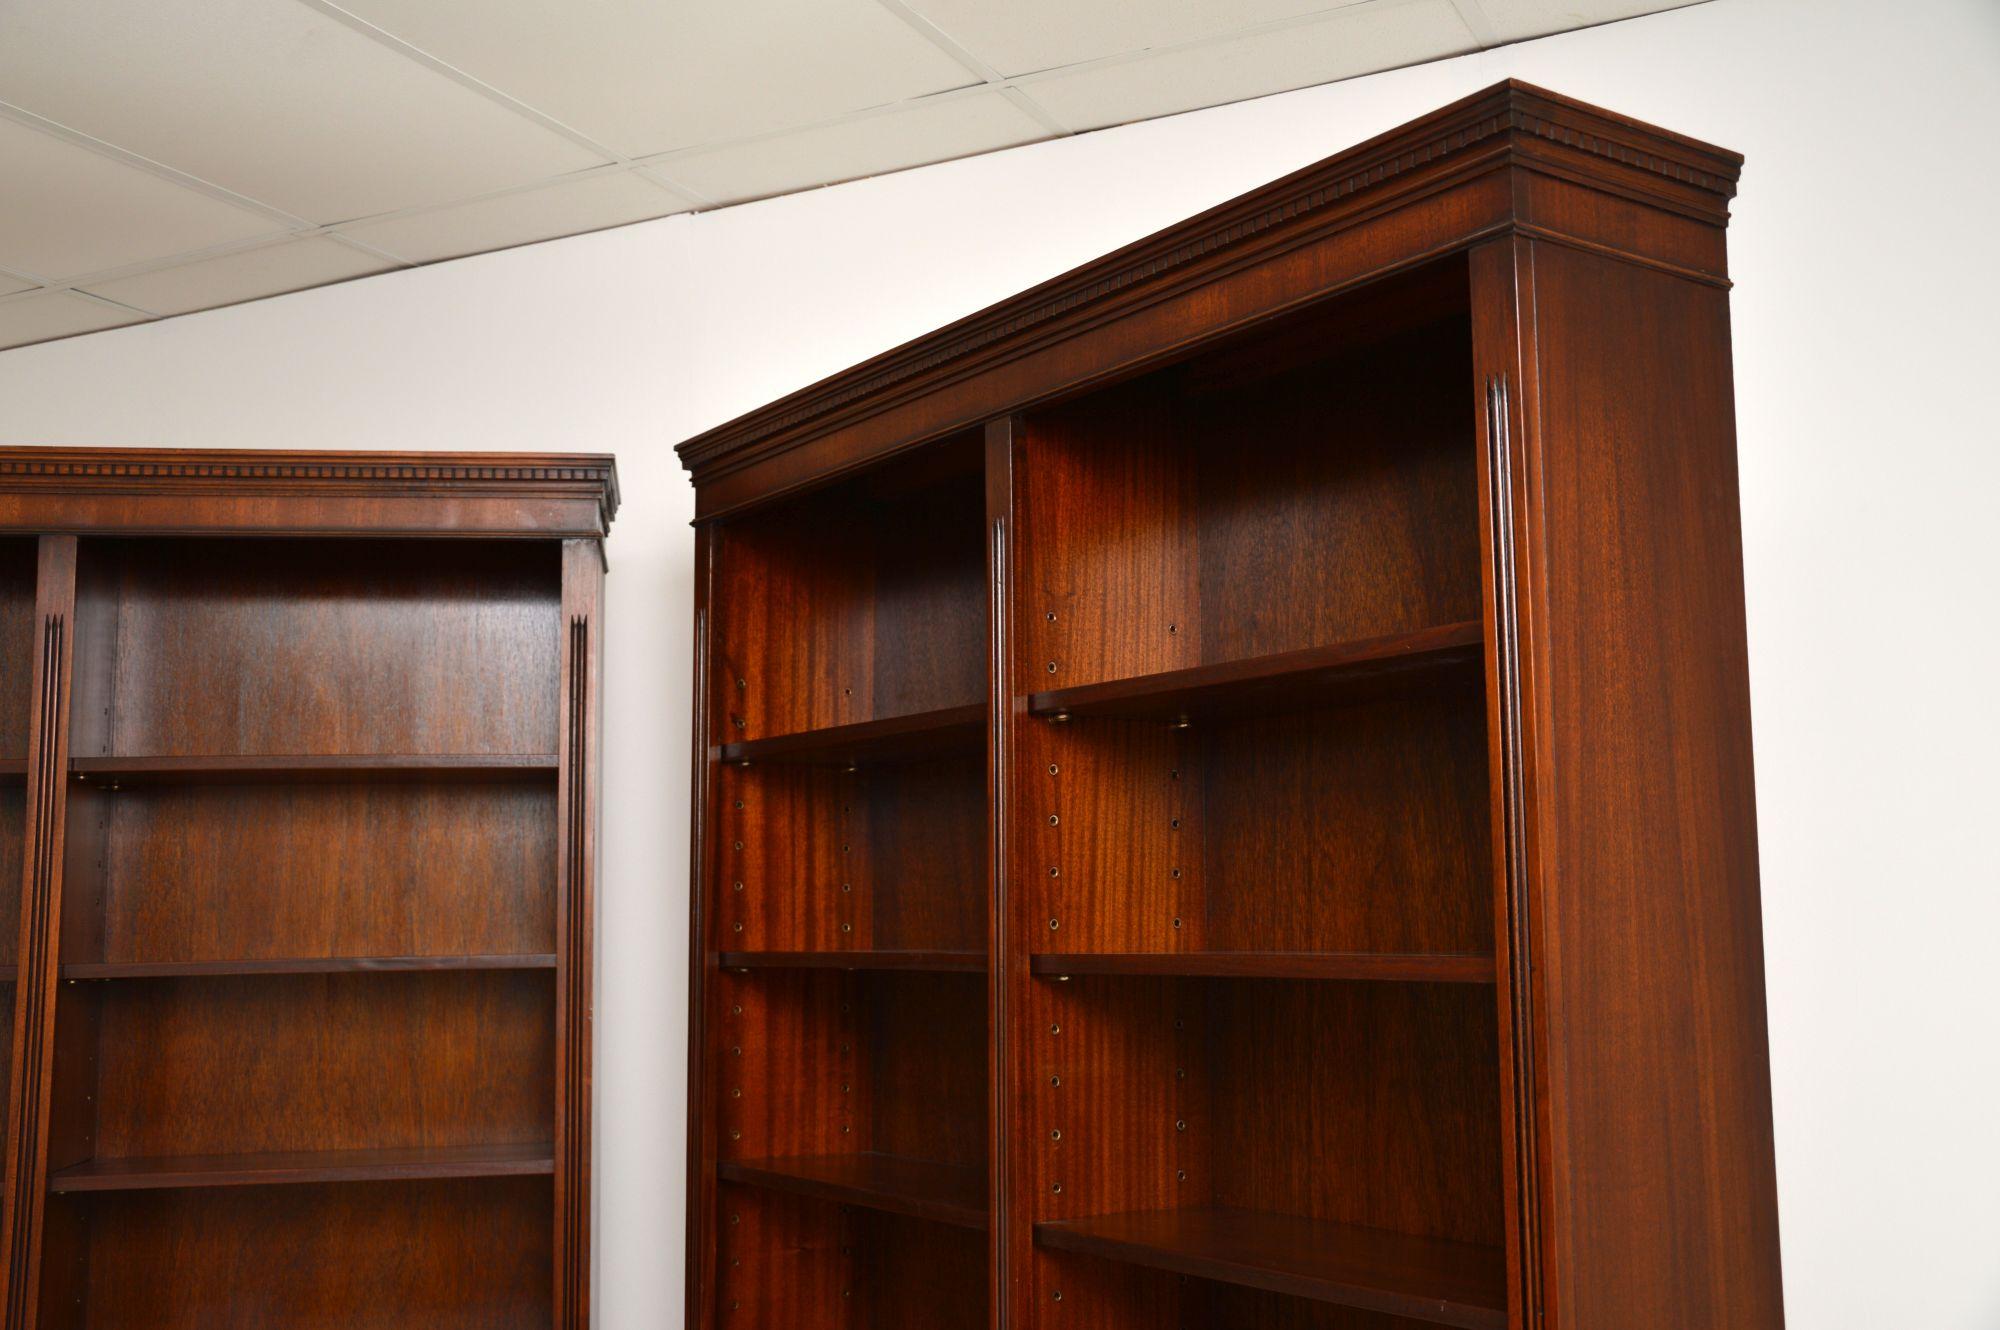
(1370,921)
(304,1036)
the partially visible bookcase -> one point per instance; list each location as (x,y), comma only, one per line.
(1223,787)
(305,837)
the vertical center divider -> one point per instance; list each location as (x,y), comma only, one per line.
(1006,971)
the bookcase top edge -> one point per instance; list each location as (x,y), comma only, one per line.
(1590,141)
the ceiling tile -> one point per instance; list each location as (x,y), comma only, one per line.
(1370,37)
(932,132)
(9,284)
(644,76)
(71,211)
(28,319)
(291,265)
(1025,36)
(1518,20)
(270,99)
(518,219)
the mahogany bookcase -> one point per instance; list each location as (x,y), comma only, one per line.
(298,806)
(1223,782)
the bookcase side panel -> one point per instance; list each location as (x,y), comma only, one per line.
(1663,1208)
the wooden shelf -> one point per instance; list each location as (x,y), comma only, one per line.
(895,739)
(1425,1279)
(946,1193)
(13,769)
(1315,676)
(302,965)
(306,1166)
(315,768)
(935,961)
(1352,965)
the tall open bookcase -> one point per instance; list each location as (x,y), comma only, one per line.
(298,805)
(1223,784)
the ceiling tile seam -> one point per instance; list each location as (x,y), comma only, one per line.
(653,161)
(1332,14)
(118,305)
(180,259)
(588,173)
(20,115)
(964,55)
(1477,22)
(472,83)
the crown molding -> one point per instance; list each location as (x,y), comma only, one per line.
(1510,124)
(167,471)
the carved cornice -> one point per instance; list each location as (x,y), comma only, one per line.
(1671,170)
(172,471)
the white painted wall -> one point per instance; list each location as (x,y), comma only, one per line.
(1867,294)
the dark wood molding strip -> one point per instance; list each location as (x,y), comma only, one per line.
(1424,1279)
(931,962)
(1372,967)
(109,970)
(299,1168)
(921,1189)
(175,471)
(41,909)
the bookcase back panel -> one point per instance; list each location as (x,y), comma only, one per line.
(1105,1295)
(889,856)
(861,601)
(1171,521)
(229,872)
(1354,828)
(1360,828)
(798,1263)
(17,645)
(435,1255)
(784,1262)
(1369,1104)
(913,1275)
(318,647)
(928,1097)
(791,1058)
(1099,864)
(833,1063)
(13,817)
(319,1062)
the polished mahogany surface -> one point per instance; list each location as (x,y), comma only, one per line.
(297,810)
(1222,783)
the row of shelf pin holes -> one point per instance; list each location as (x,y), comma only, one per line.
(1055,1028)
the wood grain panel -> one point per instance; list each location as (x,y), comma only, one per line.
(1353,829)
(1370,1104)
(927,1062)
(1108,557)
(1360,517)
(17,647)
(13,818)
(913,1275)
(331,647)
(470,1255)
(322,1062)
(258,872)
(783,1262)
(1659,1084)
(862,602)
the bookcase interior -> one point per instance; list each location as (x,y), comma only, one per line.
(850,904)
(855,1127)
(859,602)
(308,937)
(1310,485)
